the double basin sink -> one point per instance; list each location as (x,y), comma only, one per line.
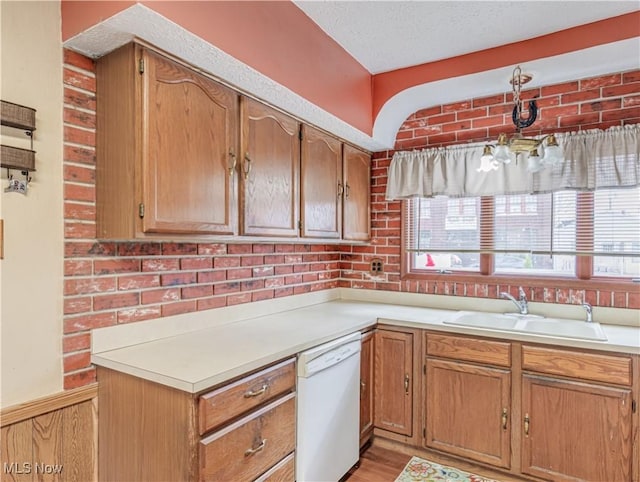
(533,324)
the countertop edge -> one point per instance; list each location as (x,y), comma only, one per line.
(366,315)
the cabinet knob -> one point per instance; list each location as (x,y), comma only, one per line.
(504,418)
(340,189)
(347,188)
(406,384)
(526,424)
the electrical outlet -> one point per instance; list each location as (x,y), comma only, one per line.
(376,266)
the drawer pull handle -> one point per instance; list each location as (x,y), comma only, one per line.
(250,452)
(504,419)
(526,424)
(255,393)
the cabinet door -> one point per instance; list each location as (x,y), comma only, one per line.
(190,140)
(574,430)
(467,411)
(357,194)
(366,387)
(270,171)
(393,381)
(321,184)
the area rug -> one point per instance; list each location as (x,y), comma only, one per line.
(420,470)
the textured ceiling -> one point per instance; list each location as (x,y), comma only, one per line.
(388,35)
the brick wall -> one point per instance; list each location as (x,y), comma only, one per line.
(107,283)
(600,102)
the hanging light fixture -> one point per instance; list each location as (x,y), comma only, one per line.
(507,148)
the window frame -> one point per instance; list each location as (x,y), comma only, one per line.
(582,278)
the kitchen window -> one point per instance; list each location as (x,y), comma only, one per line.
(545,236)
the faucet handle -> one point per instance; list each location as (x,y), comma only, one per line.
(589,310)
(523,295)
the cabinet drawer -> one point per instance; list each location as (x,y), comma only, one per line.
(588,366)
(469,349)
(224,404)
(282,472)
(249,447)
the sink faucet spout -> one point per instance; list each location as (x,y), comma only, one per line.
(521,303)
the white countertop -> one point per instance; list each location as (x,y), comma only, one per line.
(197,360)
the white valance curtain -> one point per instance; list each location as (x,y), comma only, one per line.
(594,159)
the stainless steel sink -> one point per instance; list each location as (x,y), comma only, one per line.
(530,324)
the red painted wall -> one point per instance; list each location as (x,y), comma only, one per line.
(388,84)
(274,37)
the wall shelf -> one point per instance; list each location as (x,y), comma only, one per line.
(17,116)
(17,158)
(24,118)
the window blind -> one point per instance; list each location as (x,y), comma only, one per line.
(541,232)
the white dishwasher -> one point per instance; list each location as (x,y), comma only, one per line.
(328,418)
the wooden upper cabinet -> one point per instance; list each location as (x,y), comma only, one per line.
(321,184)
(357,195)
(270,171)
(167,138)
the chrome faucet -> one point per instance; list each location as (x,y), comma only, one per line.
(521,303)
(589,310)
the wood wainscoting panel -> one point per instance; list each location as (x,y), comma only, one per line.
(58,444)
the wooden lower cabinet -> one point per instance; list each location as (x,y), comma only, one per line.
(366,387)
(394,381)
(542,411)
(574,430)
(467,411)
(243,430)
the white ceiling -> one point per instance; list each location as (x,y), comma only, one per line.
(388,35)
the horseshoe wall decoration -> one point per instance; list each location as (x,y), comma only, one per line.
(521,123)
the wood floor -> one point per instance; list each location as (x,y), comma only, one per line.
(378,464)
(383,462)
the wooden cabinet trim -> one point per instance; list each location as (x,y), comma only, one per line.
(367,381)
(469,349)
(229,401)
(574,364)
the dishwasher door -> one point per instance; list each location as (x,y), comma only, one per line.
(328,420)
